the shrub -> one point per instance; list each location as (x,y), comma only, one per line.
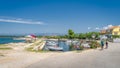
(94,44)
(115,36)
(71,47)
(81,47)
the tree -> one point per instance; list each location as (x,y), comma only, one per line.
(71,34)
(76,36)
(82,36)
(89,35)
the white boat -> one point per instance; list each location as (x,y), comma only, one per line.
(85,45)
(55,48)
(51,43)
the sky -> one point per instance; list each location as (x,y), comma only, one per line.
(57,16)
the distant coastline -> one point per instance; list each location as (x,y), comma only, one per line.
(37,34)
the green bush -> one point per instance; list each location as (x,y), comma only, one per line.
(81,47)
(71,47)
(115,36)
(94,44)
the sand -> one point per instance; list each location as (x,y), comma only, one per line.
(93,58)
(18,57)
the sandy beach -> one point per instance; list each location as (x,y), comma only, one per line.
(18,57)
(93,58)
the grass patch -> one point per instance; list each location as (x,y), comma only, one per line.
(31,50)
(5,48)
(2,45)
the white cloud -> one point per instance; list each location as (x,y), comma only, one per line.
(105,28)
(97,28)
(19,20)
(89,28)
(108,26)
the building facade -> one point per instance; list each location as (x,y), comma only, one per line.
(114,30)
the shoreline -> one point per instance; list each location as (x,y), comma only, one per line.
(20,58)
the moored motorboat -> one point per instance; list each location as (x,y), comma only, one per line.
(55,48)
(51,43)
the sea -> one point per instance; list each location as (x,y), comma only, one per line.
(6,40)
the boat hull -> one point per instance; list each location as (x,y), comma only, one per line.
(55,49)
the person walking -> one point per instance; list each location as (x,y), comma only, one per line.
(102,44)
(106,44)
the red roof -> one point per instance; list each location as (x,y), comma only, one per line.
(33,36)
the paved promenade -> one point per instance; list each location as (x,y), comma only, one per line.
(107,58)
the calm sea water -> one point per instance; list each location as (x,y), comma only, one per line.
(5,40)
(64,45)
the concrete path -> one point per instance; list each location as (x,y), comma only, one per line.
(107,58)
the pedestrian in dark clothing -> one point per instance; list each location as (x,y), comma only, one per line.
(106,44)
